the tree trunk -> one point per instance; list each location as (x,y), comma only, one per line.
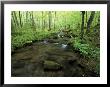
(42,21)
(90,20)
(33,23)
(65,21)
(86,18)
(20,22)
(82,25)
(49,15)
(54,20)
(12,23)
(15,18)
(26,17)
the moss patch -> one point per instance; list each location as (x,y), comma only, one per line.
(51,65)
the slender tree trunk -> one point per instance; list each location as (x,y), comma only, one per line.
(15,18)
(54,20)
(49,15)
(12,23)
(33,23)
(26,17)
(44,24)
(38,24)
(86,18)
(30,18)
(42,21)
(82,25)
(90,20)
(65,22)
(20,17)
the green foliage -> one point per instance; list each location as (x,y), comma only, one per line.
(88,51)
(27,36)
(85,48)
(97,69)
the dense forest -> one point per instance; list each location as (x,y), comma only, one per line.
(55,43)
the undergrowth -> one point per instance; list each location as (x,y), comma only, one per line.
(87,51)
(20,38)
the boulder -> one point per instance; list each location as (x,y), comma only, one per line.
(52,65)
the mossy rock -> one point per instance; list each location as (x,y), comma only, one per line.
(51,65)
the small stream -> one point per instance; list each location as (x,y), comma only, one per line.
(47,59)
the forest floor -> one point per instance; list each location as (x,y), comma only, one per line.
(50,58)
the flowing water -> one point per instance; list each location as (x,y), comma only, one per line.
(45,59)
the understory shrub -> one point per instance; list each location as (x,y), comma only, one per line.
(85,48)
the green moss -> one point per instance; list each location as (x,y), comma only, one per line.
(51,65)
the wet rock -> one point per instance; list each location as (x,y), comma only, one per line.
(18,64)
(51,65)
(25,58)
(45,42)
(21,72)
(56,43)
(52,41)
